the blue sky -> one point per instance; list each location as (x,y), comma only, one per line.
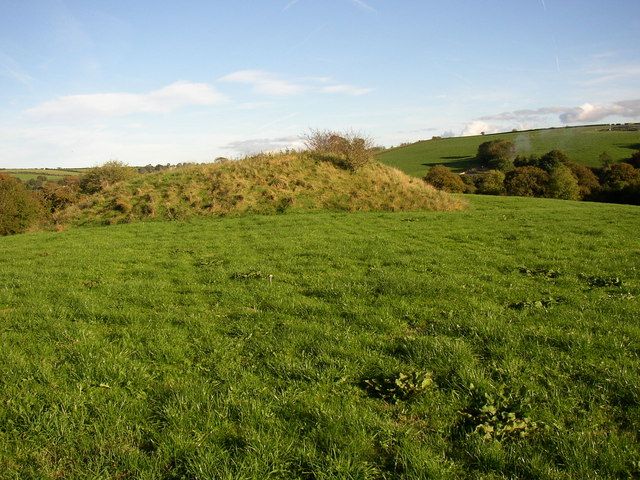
(83,82)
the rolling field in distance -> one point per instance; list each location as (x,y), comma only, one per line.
(52,174)
(501,341)
(583,145)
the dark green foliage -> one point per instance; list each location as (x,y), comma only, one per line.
(600,281)
(490,183)
(497,415)
(527,161)
(401,387)
(619,175)
(634,160)
(496,154)
(587,180)
(552,160)
(527,182)
(98,178)
(605,160)
(443,178)
(19,208)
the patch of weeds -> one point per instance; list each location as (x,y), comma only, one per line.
(539,272)
(401,387)
(210,262)
(598,281)
(92,283)
(496,415)
(248,275)
(542,303)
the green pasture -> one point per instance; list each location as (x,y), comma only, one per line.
(52,174)
(583,145)
(498,342)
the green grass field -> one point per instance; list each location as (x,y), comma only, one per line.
(582,144)
(162,350)
(52,174)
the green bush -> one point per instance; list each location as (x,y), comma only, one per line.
(527,182)
(19,208)
(96,179)
(564,184)
(443,178)
(587,180)
(634,160)
(490,183)
(619,176)
(552,160)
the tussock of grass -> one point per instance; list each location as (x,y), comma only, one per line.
(264,184)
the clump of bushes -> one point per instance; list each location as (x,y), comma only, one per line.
(496,155)
(98,178)
(443,178)
(19,208)
(347,150)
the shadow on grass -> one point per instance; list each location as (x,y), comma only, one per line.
(458,163)
(630,146)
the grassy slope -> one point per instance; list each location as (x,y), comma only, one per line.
(583,144)
(261,184)
(142,351)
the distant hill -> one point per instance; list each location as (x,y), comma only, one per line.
(583,145)
(52,174)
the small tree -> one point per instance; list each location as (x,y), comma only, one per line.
(443,178)
(527,182)
(19,208)
(496,154)
(563,184)
(605,160)
(552,160)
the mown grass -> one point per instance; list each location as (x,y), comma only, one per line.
(583,145)
(164,350)
(52,174)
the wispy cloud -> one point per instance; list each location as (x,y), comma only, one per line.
(289,5)
(10,68)
(166,99)
(365,6)
(264,82)
(267,83)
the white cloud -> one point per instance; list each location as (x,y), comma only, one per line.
(346,89)
(264,82)
(267,83)
(477,127)
(258,145)
(166,99)
(594,113)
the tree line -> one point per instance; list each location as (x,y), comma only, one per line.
(499,171)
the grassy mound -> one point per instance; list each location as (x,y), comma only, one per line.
(502,341)
(583,145)
(263,184)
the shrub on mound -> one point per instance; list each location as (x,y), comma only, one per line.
(19,208)
(99,178)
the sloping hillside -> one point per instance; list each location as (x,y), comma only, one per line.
(583,145)
(262,184)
